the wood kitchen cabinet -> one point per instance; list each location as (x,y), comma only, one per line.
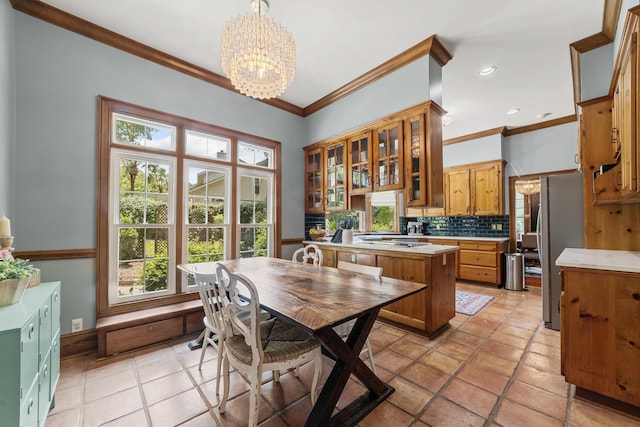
(600,332)
(314,179)
(620,184)
(360,148)
(481,261)
(457,192)
(475,189)
(335,176)
(423,159)
(429,310)
(375,157)
(388,157)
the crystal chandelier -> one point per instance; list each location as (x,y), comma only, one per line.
(258,54)
(528,187)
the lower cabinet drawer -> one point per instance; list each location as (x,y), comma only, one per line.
(483,259)
(480,274)
(478,246)
(139,336)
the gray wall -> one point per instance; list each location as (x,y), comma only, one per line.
(410,85)
(60,75)
(7,101)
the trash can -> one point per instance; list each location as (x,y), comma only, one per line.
(515,272)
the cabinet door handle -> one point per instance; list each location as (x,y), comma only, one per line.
(614,135)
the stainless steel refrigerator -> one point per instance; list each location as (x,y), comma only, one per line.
(560,225)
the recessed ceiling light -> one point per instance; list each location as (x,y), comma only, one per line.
(513,111)
(447,119)
(487,71)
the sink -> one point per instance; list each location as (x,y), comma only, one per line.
(394,243)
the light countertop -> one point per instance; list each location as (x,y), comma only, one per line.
(600,259)
(423,248)
(425,236)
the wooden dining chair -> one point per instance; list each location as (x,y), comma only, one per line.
(344,329)
(255,347)
(309,254)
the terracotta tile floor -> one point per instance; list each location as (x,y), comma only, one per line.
(500,367)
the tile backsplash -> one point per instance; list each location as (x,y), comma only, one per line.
(472,226)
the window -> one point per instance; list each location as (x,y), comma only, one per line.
(175,191)
(383,210)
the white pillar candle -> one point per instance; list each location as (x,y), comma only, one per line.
(5,226)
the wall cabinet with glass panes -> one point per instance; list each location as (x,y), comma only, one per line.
(359,146)
(423,158)
(399,152)
(336,179)
(314,180)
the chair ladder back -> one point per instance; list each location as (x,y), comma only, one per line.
(240,302)
(211,304)
(310,253)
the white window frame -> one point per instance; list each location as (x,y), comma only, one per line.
(114,223)
(270,176)
(227,171)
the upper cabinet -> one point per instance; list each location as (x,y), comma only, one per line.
(336,184)
(314,179)
(423,159)
(474,189)
(617,168)
(399,152)
(388,157)
(360,156)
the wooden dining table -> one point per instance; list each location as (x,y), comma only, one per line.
(317,299)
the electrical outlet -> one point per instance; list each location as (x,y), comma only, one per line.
(76,325)
(493,226)
(499,226)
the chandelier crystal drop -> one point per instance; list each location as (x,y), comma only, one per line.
(258,54)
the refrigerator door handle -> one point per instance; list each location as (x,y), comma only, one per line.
(539,235)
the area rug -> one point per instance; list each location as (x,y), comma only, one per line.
(469,303)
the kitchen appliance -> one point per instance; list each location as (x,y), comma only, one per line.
(414,228)
(560,226)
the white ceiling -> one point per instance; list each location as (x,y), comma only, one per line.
(339,40)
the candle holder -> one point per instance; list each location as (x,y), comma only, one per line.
(5,243)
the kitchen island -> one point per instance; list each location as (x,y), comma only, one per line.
(434,265)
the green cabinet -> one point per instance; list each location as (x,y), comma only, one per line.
(30,355)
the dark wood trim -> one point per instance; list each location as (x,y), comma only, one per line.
(512,201)
(594,101)
(107,106)
(56,254)
(592,42)
(297,241)
(476,135)
(79,343)
(65,20)
(542,125)
(430,46)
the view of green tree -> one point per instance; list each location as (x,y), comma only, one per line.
(383,218)
(134,134)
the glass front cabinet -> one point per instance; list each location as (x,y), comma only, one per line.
(336,183)
(400,152)
(388,157)
(360,155)
(423,158)
(314,185)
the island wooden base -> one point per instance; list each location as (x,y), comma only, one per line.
(429,310)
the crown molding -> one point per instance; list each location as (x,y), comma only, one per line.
(542,125)
(475,135)
(430,46)
(65,20)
